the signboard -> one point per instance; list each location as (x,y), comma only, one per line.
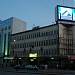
(5,22)
(65,13)
(33,55)
(71,57)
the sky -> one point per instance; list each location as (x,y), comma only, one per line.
(34,12)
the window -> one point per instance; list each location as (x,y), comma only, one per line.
(51,32)
(51,41)
(39,34)
(55,41)
(37,43)
(2,29)
(25,36)
(55,31)
(44,43)
(0,38)
(5,28)
(22,37)
(41,43)
(24,44)
(46,33)
(42,34)
(47,42)
(29,36)
(9,27)
(33,36)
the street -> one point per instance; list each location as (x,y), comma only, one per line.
(15,73)
(28,73)
(20,73)
(12,71)
(67,74)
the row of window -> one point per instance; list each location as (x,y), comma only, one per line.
(5,28)
(66,51)
(35,44)
(36,35)
(45,52)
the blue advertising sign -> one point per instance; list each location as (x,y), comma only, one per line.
(65,13)
(5,22)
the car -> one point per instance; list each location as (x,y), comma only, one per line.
(18,66)
(31,67)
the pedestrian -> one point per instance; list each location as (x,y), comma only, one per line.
(2,66)
(57,66)
(46,66)
(16,68)
(36,68)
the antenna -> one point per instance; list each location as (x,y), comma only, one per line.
(33,25)
(74,3)
(63,2)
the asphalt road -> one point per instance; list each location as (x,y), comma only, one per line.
(15,73)
(12,71)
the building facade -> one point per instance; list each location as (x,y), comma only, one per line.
(7,27)
(53,45)
(40,38)
(50,42)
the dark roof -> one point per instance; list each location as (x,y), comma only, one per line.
(33,29)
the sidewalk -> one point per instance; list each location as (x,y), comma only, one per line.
(44,72)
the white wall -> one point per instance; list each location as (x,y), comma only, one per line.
(18,25)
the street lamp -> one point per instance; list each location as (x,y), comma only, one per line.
(14,40)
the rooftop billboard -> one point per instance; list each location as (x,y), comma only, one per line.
(65,13)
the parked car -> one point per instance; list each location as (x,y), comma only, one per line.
(31,67)
(18,66)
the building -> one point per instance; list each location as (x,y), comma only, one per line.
(42,41)
(7,27)
(53,44)
(49,42)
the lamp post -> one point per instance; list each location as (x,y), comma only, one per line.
(41,54)
(16,59)
(24,55)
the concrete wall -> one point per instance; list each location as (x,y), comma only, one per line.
(66,37)
(18,25)
(73,28)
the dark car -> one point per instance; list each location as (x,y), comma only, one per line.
(31,67)
(18,67)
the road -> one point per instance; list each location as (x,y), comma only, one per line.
(12,71)
(67,74)
(15,73)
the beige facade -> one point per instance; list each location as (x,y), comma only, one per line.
(52,40)
(43,41)
(66,39)
(18,25)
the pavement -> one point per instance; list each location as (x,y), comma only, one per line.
(43,72)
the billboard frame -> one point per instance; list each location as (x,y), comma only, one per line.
(57,14)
